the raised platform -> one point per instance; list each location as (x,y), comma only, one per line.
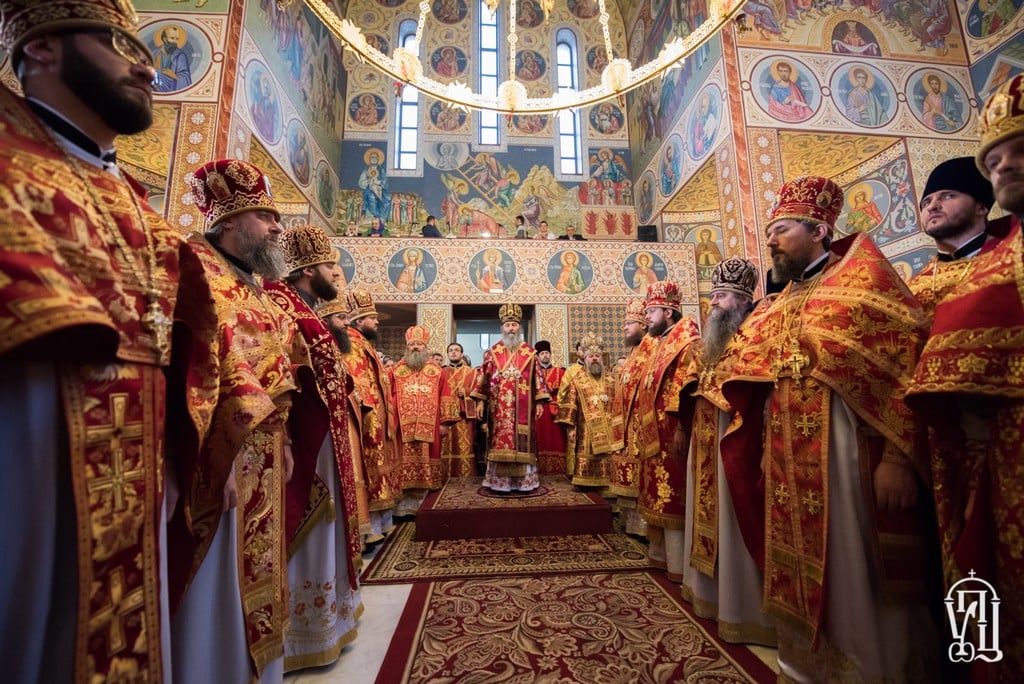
(462,509)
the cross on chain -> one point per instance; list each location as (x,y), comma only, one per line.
(118,479)
(417,389)
(120,605)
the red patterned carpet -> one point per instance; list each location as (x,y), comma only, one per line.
(594,629)
(462,509)
(403,559)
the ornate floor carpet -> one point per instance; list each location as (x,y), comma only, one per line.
(403,559)
(597,628)
(462,509)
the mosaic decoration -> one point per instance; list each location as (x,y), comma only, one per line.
(786,89)
(570,272)
(704,121)
(938,101)
(517,270)
(299,153)
(193,146)
(864,95)
(492,271)
(348,267)
(437,319)
(412,270)
(642,269)
(325,188)
(264,102)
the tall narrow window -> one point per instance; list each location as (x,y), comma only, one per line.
(406,123)
(570,144)
(488,72)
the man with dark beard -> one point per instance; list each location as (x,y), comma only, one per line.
(815,380)
(234,368)
(457,454)
(954,206)
(590,407)
(625,477)
(576,366)
(88,275)
(510,378)
(716,553)
(324,544)
(550,436)
(968,383)
(425,408)
(378,423)
(662,481)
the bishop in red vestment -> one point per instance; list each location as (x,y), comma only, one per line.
(510,380)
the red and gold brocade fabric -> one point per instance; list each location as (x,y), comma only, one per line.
(591,407)
(699,406)
(936,280)
(662,484)
(457,454)
(423,402)
(233,359)
(550,436)
(67,293)
(853,331)
(974,360)
(381,462)
(626,464)
(315,414)
(512,383)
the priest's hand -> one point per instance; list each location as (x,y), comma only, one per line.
(678,442)
(289,463)
(444,430)
(230,492)
(539,411)
(895,487)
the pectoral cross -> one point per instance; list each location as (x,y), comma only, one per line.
(158,323)
(795,359)
(118,479)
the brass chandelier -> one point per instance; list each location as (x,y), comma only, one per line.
(618,77)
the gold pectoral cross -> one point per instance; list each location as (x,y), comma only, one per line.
(795,361)
(160,324)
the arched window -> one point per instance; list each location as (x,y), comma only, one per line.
(570,143)
(488,72)
(407,120)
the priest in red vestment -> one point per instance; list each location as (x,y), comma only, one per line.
(625,476)
(815,377)
(233,384)
(591,407)
(324,545)
(425,409)
(88,275)
(510,380)
(550,436)
(720,578)
(662,481)
(969,383)
(457,455)
(381,461)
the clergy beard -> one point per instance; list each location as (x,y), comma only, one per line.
(511,340)
(368,333)
(596,369)
(416,359)
(322,287)
(344,341)
(633,339)
(113,101)
(658,328)
(721,326)
(786,268)
(262,254)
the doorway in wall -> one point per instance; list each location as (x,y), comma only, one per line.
(477,328)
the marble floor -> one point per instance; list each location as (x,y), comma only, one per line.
(361,660)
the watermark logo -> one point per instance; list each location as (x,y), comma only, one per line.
(972,607)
